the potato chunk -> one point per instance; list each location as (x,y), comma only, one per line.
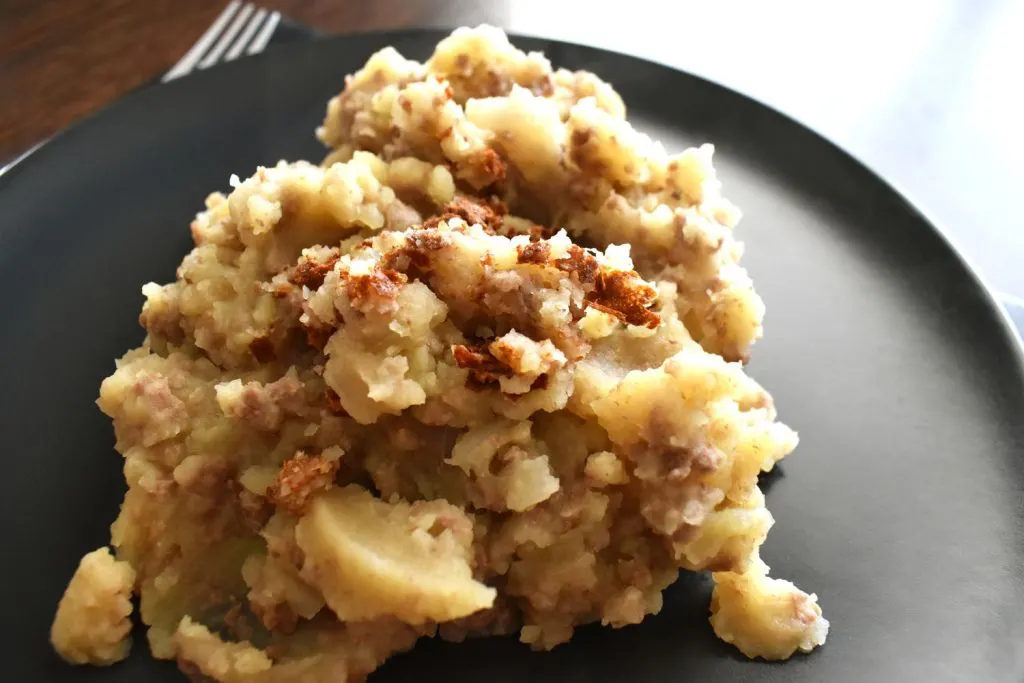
(371,558)
(92,624)
(765,617)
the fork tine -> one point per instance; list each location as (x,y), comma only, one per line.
(188,62)
(213,56)
(264,35)
(245,36)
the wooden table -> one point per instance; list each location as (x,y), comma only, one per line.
(926,96)
(62,59)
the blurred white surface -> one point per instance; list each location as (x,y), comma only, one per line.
(928,93)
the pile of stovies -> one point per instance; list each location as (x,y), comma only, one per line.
(478,373)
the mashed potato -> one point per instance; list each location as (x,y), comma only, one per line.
(92,622)
(477,373)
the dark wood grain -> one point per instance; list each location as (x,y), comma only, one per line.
(63,59)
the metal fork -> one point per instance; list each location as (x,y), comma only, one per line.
(240,29)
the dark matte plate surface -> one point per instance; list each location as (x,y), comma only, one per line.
(903,507)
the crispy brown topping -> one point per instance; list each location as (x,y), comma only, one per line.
(317,336)
(310,273)
(473,213)
(535,252)
(507,353)
(579,265)
(299,478)
(484,368)
(379,286)
(493,166)
(627,297)
(262,349)
(534,231)
(426,242)
(489,216)
(432,222)
(540,232)
(413,260)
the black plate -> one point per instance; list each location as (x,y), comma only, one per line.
(903,507)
